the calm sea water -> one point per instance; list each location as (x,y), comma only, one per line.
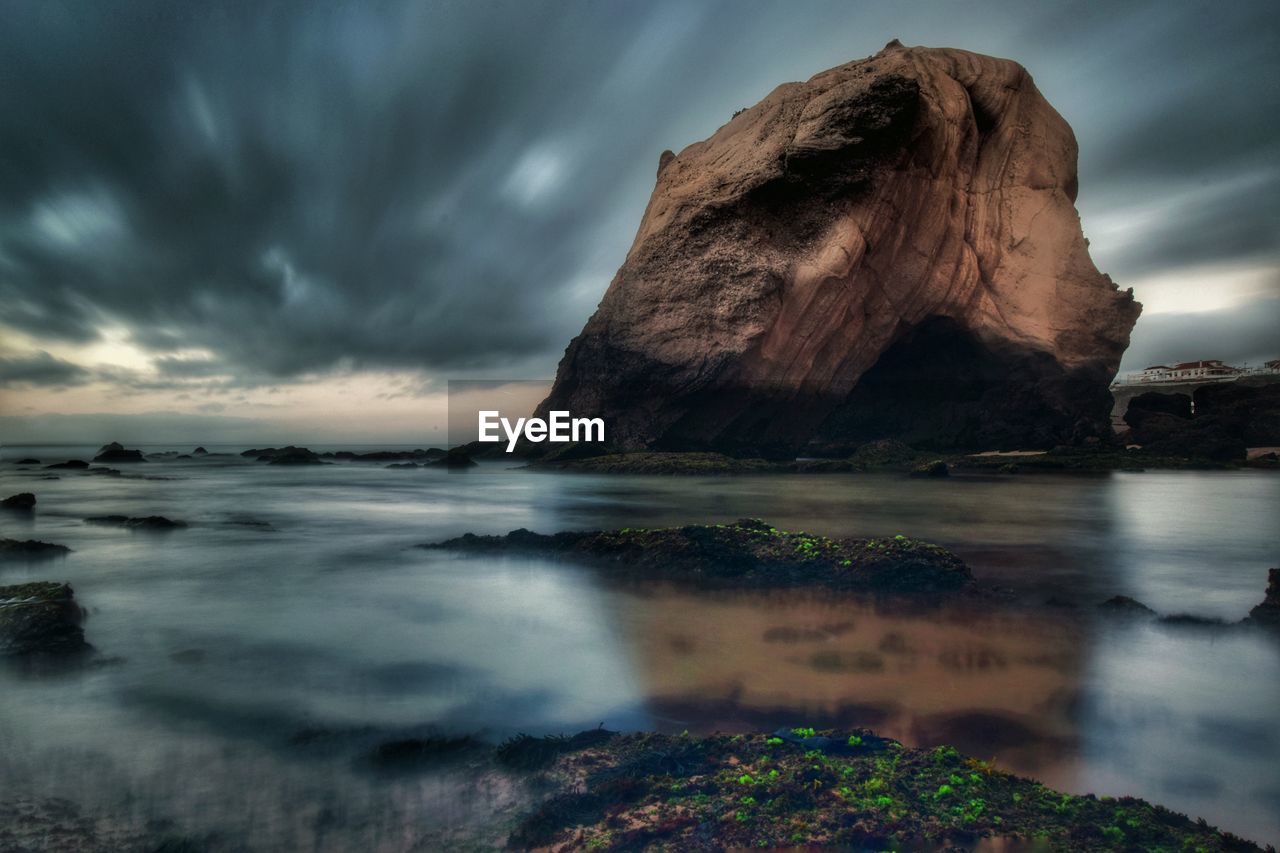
(250,667)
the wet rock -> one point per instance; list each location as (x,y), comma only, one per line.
(69,465)
(115,452)
(805,789)
(40,618)
(30,548)
(22,500)
(883,453)
(748,554)
(289,455)
(103,471)
(456,458)
(936,468)
(150,522)
(1267,614)
(403,465)
(28,461)
(199,451)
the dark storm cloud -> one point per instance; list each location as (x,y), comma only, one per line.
(299,187)
(40,369)
(1236,336)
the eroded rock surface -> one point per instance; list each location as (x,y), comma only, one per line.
(888,249)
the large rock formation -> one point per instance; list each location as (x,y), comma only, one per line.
(889,249)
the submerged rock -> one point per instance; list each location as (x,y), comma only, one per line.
(890,248)
(19,548)
(748,554)
(150,522)
(70,464)
(40,618)
(115,452)
(28,461)
(22,500)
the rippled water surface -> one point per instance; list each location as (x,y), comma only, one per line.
(248,661)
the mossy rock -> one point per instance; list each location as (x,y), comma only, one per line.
(849,790)
(747,554)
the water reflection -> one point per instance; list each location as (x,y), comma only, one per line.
(231,638)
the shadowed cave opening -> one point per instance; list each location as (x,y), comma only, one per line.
(939,387)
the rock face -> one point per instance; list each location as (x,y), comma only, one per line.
(889,249)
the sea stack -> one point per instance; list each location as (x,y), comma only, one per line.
(888,249)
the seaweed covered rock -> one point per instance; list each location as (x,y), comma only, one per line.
(115,452)
(747,554)
(889,248)
(40,618)
(845,790)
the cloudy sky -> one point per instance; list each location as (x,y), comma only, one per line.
(269,221)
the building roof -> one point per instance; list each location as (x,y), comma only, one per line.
(1157,367)
(1188,365)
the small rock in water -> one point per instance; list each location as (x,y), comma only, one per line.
(19,548)
(455,458)
(70,464)
(115,452)
(40,618)
(150,522)
(936,468)
(1123,605)
(22,500)
(28,462)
